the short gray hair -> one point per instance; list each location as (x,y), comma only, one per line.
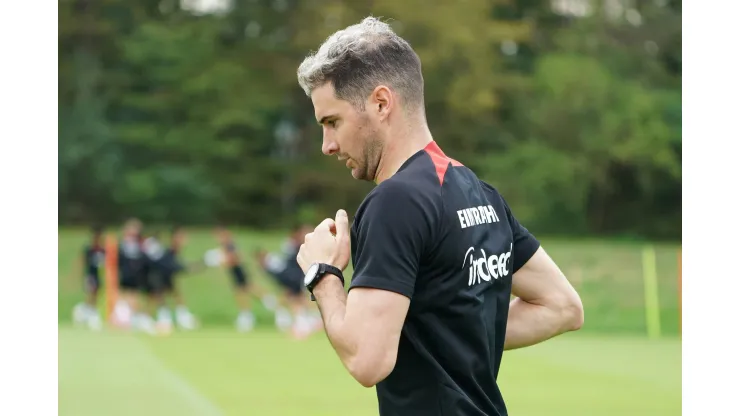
(360,57)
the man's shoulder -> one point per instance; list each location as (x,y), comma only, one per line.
(487,186)
(495,196)
(398,203)
(490,190)
(400,185)
(401,192)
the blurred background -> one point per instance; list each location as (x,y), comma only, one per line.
(189,113)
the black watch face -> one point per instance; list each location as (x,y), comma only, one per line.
(311,274)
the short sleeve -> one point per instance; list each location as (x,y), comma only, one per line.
(389,238)
(525,244)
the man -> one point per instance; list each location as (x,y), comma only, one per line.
(91,260)
(169,267)
(437,253)
(133,278)
(151,283)
(163,265)
(243,288)
(130,267)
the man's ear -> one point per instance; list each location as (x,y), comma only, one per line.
(382,101)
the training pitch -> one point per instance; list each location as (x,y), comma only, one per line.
(220,372)
(608,368)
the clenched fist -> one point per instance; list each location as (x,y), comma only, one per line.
(328,243)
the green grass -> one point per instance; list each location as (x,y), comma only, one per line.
(609,368)
(212,372)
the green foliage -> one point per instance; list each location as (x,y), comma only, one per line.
(172,116)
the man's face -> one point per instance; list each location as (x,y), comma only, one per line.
(352,135)
(132,230)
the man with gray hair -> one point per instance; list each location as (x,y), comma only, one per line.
(437,252)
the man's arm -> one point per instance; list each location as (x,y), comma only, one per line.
(364,327)
(546,305)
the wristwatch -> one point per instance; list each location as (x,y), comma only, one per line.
(318,271)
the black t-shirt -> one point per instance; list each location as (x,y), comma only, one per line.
(131,259)
(285,266)
(293,269)
(277,266)
(170,262)
(153,249)
(160,259)
(94,256)
(437,234)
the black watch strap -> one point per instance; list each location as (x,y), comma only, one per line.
(325,269)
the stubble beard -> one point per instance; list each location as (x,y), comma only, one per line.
(367,169)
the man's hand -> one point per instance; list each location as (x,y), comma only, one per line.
(329,243)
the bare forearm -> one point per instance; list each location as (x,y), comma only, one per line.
(531,323)
(332,300)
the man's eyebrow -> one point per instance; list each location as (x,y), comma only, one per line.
(326,118)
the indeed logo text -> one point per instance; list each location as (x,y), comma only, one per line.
(486,267)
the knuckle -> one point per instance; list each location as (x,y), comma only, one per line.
(324,223)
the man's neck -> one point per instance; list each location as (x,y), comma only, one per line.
(400,148)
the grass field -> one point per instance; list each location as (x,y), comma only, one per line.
(218,372)
(607,369)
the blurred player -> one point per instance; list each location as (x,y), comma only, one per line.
(243,290)
(275,265)
(152,275)
(168,268)
(284,269)
(92,258)
(132,269)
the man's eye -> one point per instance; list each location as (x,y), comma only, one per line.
(332,123)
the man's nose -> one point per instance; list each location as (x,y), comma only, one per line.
(329,146)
